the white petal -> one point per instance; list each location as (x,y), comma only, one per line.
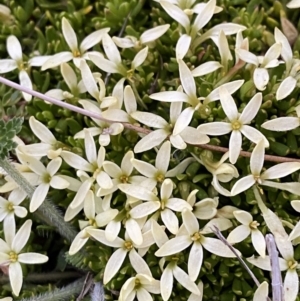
(182,46)
(195,260)
(76,161)
(25,81)
(163,157)
(100,235)
(190,222)
(32,258)
(293,187)
(57,59)
(220,222)
(58,183)
(251,109)
(260,78)
(203,18)
(81,193)
(257,158)
(15,277)
(166,283)
(124,42)
(126,164)
(282,124)
(247,56)
(242,185)
(69,34)
(286,50)
(104,64)
(144,168)
(216,184)
(129,100)
(286,87)
(38,196)
(150,119)
(178,142)
(151,140)
(138,192)
(170,220)
(215,246)
(53,166)
(264,263)
(215,128)
(235,144)
(262,292)
(183,120)
(293,4)
(175,110)
(139,58)
(143,294)
(238,234)
(206,68)
(111,49)
(89,80)
(14,48)
(103,218)
(138,263)
(144,209)
(153,33)
(38,61)
(187,79)
(170,96)
(291,285)
(7,65)
(92,39)
(280,170)
(104,181)
(113,265)
(134,231)
(243,217)
(185,280)
(272,54)
(176,13)
(174,245)
(112,230)
(21,237)
(258,241)
(228,104)
(231,87)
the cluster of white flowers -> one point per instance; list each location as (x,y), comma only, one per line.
(153,214)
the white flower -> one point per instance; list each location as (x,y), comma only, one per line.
(48,146)
(146,37)
(10,207)
(262,63)
(190,96)
(165,205)
(11,256)
(237,123)
(240,43)
(195,237)
(292,66)
(293,4)
(77,54)
(70,79)
(283,124)
(166,129)
(47,179)
(114,62)
(221,171)
(275,172)
(94,221)
(140,287)
(243,231)
(125,247)
(14,50)
(224,50)
(120,174)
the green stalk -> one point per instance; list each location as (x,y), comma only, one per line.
(66,293)
(47,212)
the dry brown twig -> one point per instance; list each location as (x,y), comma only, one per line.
(129,126)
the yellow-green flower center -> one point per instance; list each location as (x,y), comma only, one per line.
(10,207)
(292,264)
(76,53)
(253,225)
(160,178)
(137,283)
(124,179)
(13,256)
(46,178)
(128,245)
(92,222)
(196,236)
(236,125)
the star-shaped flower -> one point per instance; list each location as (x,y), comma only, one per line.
(77,53)
(195,237)
(237,123)
(14,50)
(275,172)
(243,231)
(11,254)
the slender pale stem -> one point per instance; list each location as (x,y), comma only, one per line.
(47,211)
(128,125)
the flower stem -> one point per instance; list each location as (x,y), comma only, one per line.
(128,125)
(47,211)
(66,293)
